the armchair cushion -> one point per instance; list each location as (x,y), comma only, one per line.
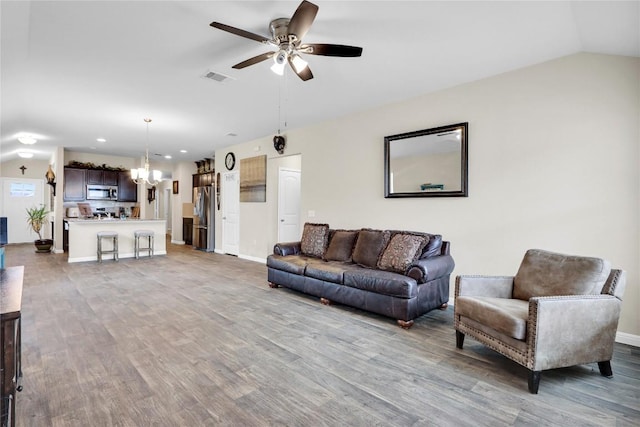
(505,315)
(543,273)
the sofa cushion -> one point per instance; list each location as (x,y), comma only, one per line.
(381,282)
(543,273)
(369,246)
(315,238)
(401,251)
(505,315)
(295,264)
(328,271)
(341,245)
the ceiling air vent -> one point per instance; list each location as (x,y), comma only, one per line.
(219,77)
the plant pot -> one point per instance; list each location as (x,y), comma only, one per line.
(43,246)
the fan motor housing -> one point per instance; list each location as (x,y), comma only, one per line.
(279,29)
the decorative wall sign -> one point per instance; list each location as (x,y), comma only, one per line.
(253,179)
(175,187)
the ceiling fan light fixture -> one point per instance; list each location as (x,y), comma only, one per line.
(299,64)
(25,154)
(278,67)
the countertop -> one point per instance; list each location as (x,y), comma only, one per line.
(111,220)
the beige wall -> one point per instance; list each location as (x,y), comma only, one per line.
(553,164)
(35,169)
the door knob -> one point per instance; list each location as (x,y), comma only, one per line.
(282,220)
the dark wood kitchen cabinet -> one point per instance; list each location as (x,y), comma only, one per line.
(10,338)
(75,185)
(102,177)
(127,189)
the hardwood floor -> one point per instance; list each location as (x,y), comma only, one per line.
(198,339)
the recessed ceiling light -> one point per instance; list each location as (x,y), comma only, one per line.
(28,140)
(25,154)
(101,140)
(167,156)
(183,151)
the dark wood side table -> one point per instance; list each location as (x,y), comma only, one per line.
(11,279)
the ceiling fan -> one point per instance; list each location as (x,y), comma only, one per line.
(286,36)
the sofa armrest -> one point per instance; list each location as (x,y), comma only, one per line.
(427,269)
(287,248)
(571,330)
(484,286)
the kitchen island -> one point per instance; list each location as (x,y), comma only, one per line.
(83,237)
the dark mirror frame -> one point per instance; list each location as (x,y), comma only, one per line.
(464,188)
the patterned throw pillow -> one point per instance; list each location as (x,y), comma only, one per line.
(401,251)
(341,246)
(315,238)
(369,246)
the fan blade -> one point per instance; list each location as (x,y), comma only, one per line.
(331,50)
(305,74)
(239,32)
(302,19)
(254,60)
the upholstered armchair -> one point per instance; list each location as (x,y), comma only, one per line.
(557,311)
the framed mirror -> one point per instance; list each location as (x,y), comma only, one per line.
(427,163)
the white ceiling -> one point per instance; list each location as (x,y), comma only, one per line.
(74,71)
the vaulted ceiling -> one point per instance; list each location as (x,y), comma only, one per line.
(76,71)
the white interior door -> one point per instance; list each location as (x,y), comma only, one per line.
(230,213)
(17,196)
(288,205)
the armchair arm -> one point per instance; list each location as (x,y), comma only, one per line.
(571,330)
(287,248)
(484,286)
(427,269)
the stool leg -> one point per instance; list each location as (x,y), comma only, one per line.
(150,246)
(115,248)
(136,248)
(99,249)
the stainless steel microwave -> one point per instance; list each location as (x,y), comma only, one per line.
(102,192)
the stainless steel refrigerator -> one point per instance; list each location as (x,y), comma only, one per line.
(204,218)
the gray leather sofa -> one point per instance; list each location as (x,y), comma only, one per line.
(372,270)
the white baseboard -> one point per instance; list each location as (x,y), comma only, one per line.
(629,339)
(178,242)
(218,251)
(253,258)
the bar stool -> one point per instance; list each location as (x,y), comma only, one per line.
(148,234)
(114,239)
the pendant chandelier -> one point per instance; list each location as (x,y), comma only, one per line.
(141,176)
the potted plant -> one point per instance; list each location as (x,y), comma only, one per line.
(36,217)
